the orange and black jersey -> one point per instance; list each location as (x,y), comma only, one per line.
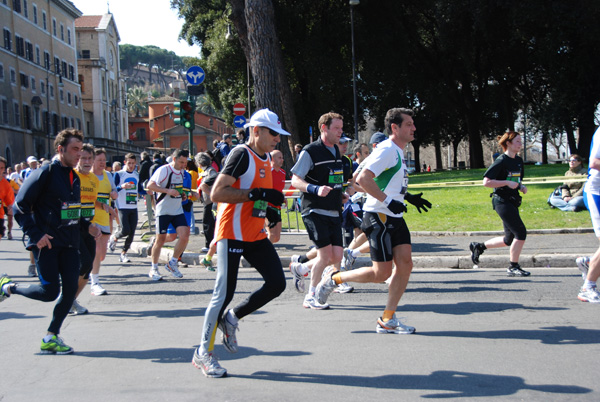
(241,221)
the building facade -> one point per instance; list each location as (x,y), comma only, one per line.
(40,92)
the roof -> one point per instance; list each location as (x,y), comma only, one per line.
(88,21)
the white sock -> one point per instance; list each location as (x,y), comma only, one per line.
(589,284)
(94,278)
(154,266)
(231,318)
(173,261)
(355,253)
(47,338)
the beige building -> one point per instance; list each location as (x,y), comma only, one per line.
(103,91)
(40,92)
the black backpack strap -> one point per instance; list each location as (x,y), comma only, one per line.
(163,195)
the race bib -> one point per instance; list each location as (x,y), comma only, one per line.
(131,198)
(336,178)
(88,211)
(70,213)
(259,209)
(103,198)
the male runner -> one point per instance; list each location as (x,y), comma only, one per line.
(274,211)
(243,189)
(385,179)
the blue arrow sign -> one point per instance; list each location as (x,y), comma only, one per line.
(239,121)
(195,75)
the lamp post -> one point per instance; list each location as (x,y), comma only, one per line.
(352,4)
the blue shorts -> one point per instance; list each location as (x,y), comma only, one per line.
(163,222)
(188,217)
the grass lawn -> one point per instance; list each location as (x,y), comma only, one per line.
(469,208)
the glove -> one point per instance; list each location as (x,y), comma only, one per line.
(396,207)
(418,201)
(272,217)
(267,194)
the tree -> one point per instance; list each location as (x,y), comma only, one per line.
(137,104)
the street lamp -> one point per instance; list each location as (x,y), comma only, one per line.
(60,85)
(352,4)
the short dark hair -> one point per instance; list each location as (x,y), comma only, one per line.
(130,155)
(89,148)
(178,153)
(3,159)
(64,137)
(99,151)
(157,155)
(358,148)
(394,116)
(328,117)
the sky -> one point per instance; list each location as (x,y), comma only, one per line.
(143,22)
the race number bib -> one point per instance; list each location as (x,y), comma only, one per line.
(70,212)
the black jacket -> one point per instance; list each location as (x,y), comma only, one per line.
(41,206)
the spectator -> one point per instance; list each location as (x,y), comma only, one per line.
(376,138)
(570,198)
(361,151)
(241,136)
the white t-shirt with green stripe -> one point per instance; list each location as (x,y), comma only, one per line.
(387,163)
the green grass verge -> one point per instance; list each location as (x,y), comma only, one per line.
(460,209)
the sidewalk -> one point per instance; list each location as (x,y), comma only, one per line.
(545,248)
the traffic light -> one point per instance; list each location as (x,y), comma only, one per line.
(185,110)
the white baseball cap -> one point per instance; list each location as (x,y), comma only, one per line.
(268,119)
(31,159)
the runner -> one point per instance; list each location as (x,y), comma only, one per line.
(48,208)
(385,179)
(7,196)
(243,189)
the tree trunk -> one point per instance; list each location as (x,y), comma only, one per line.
(455,145)
(587,127)
(571,138)
(475,146)
(545,147)
(439,164)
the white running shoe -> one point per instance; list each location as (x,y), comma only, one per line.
(589,295)
(326,286)
(98,290)
(229,338)
(112,244)
(209,364)
(298,277)
(393,326)
(77,309)
(583,263)
(348,260)
(343,288)
(155,275)
(32,270)
(310,301)
(172,268)
(123,257)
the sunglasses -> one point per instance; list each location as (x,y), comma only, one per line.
(272,132)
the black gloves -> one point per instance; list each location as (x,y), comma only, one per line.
(267,194)
(417,201)
(396,207)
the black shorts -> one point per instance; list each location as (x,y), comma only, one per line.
(324,230)
(2,229)
(87,253)
(162,222)
(384,233)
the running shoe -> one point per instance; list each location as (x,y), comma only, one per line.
(32,270)
(348,260)
(310,301)
(123,257)
(516,271)
(9,236)
(150,245)
(589,295)
(4,280)
(112,244)
(324,288)
(476,251)
(204,250)
(393,326)
(181,264)
(295,258)
(55,346)
(298,277)
(583,263)
(77,309)
(207,264)
(209,364)
(229,338)
(172,268)
(155,275)
(98,290)
(343,288)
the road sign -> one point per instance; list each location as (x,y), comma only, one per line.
(239,121)
(239,109)
(195,75)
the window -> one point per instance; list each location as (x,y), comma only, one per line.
(64,72)
(20,46)
(29,51)
(35,15)
(1,72)
(79,124)
(51,89)
(69,97)
(42,87)
(71,72)
(62,32)
(17,6)
(33,84)
(85,54)
(4,111)
(13,76)
(44,22)
(37,55)
(61,94)
(53,26)
(56,65)
(7,40)
(24,80)
(27,116)
(69,36)
(25,9)
(76,99)
(17,114)
(72,123)
(47,60)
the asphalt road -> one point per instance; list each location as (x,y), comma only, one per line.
(479,335)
